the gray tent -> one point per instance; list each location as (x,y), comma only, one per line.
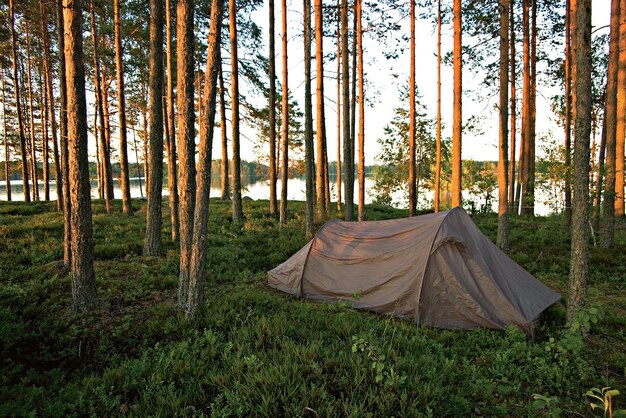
(438,269)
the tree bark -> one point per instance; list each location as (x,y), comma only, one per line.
(105,155)
(225,177)
(621,111)
(285,129)
(513,128)
(121,106)
(272,111)
(412,179)
(321,128)
(503,217)
(195,298)
(580,214)
(345,76)
(610,126)
(568,114)
(31,116)
(437,202)
(308,124)
(84,294)
(457,119)
(599,169)
(172,175)
(185,136)
(237,203)
(526,111)
(339,102)
(359,12)
(7,159)
(153,245)
(45,155)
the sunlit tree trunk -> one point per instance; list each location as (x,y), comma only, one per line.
(65,168)
(526,111)
(237,204)
(195,297)
(503,216)
(20,118)
(43,110)
(272,111)
(513,100)
(412,191)
(225,165)
(345,77)
(154,221)
(437,202)
(359,12)
(84,294)
(579,264)
(568,114)
(105,155)
(321,128)
(339,103)
(457,116)
(530,206)
(621,111)
(121,107)
(31,117)
(172,174)
(285,114)
(610,125)
(185,136)
(308,125)
(7,159)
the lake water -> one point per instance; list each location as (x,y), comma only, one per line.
(259,190)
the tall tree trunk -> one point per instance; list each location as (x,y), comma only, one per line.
(65,168)
(272,112)
(20,118)
(610,125)
(224,165)
(172,175)
(285,130)
(197,263)
(345,76)
(47,69)
(530,206)
(105,155)
(137,165)
(105,85)
(84,294)
(98,153)
(321,128)
(511,185)
(185,136)
(43,111)
(359,11)
(7,160)
(308,125)
(31,116)
(237,204)
(526,112)
(437,202)
(121,106)
(457,119)
(599,169)
(503,181)
(339,102)
(580,215)
(621,111)
(412,179)
(568,114)
(152,245)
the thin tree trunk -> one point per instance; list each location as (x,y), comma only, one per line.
(43,110)
(224,165)
(195,298)
(359,11)
(7,163)
(503,216)
(579,264)
(84,294)
(511,186)
(530,206)
(526,113)
(621,111)
(457,115)
(339,102)
(285,130)
(321,128)
(308,124)
(98,152)
(438,139)
(154,220)
(20,118)
(272,111)
(599,168)
(186,145)
(568,115)
(121,106)
(172,175)
(347,155)
(137,165)
(105,85)
(412,179)
(610,126)
(237,204)
(31,115)
(67,203)
(104,152)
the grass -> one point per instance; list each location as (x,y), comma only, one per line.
(255,351)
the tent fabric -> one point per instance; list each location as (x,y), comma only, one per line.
(437,269)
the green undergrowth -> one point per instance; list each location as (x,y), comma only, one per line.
(255,351)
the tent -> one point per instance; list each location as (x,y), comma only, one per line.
(437,269)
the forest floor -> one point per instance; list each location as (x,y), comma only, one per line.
(257,352)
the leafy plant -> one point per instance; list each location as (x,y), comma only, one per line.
(605,404)
(548,404)
(383,373)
